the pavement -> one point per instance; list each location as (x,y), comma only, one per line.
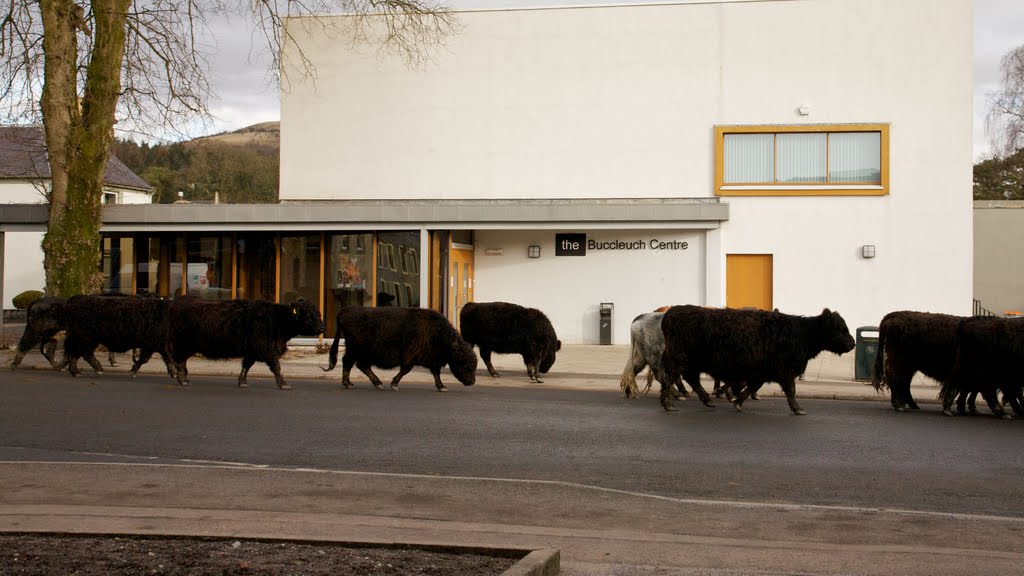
(90,498)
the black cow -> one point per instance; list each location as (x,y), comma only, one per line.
(989,360)
(911,342)
(751,346)
(120,324)
(253,330)
(400,337)
(45,318)
(508,328)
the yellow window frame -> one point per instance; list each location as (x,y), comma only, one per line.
(802,189)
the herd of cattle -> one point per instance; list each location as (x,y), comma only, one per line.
(741,349)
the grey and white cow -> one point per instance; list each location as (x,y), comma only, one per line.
(646,345)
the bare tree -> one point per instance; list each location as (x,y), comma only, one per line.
(81,66)
(1005,119)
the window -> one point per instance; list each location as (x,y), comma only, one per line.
(815,160)
(109,198)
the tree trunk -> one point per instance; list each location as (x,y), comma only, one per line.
(78,139)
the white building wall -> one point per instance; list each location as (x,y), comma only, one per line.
(622,101)
(570,289)
(23,251)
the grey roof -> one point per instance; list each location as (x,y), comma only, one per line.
(564,214)
(23,156)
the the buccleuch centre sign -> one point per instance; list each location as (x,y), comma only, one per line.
(577,244)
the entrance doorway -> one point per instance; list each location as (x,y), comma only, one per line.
(461,281)
(748,281)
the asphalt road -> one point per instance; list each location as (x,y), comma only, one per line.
(857,454)
(619,486)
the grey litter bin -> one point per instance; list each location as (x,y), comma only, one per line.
(866,352)
(605,322)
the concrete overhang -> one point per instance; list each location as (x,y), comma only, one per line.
(651,213)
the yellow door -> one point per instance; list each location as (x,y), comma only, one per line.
(460,281)
(748,281)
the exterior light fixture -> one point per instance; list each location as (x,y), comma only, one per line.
(867,251)
(533,251)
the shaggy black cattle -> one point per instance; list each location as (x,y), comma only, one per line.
(911,342)
(751,346)
(508,328)
(45,318)
(400,337)
(253,330)
(989,360)
(120,324)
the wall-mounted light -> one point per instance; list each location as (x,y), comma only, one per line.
(533,251)
(867,251)
(804,109)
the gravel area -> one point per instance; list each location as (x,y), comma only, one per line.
(34,554)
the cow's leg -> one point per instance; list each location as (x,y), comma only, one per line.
(143,357)
(402,371)
(676,389)
(961,401)
(111,359)
(247,363)
(346,371)
(899,387)
(789,387)
(693,379)
(665,397)
(49,350)
(169,364)
(485,355)
(719,389)
(181,371)
(990,396)
(972,402)
(90,357)
(72,364)
(437,380)
(531,371)
(1014,402)
(742,391)
(368,370)
(275,366)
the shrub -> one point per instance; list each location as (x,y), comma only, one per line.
(23,300)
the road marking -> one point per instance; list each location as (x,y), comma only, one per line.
(202,464)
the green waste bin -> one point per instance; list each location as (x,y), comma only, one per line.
(866,352)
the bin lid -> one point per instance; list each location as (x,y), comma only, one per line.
(607,305)
(867,331)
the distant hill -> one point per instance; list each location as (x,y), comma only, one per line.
(237,167)
(262,134)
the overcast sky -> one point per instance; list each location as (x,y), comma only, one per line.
(246,98)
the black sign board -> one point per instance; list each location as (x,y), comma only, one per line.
(570,244)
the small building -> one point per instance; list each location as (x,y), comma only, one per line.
(25,179)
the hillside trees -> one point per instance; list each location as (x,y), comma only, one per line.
(233,173)
(82,66)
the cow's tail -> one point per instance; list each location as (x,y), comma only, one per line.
(333,354)
(878,372)
(627,383)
